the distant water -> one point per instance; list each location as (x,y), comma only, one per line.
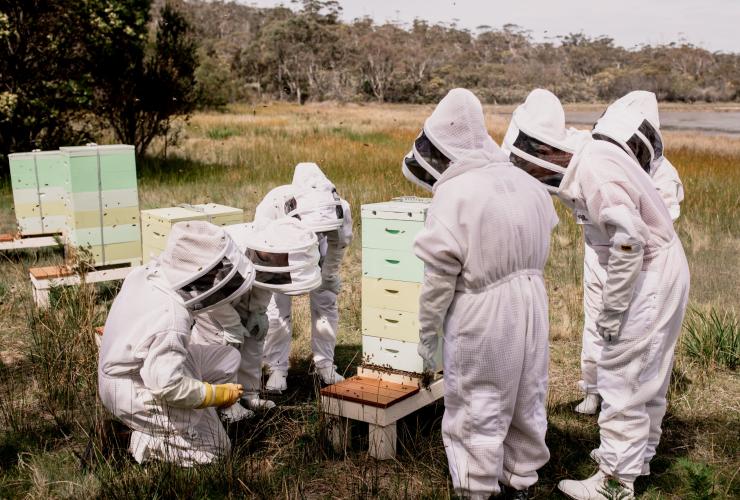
(719,122)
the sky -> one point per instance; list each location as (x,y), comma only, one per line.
(712,24)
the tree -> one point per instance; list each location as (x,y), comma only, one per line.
(44,84)
(139,84)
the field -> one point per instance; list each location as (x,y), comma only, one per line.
(56,440)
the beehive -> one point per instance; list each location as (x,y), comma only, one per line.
(37,179)
(102,205)
(157,223)
(391,283)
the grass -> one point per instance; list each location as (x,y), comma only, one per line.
(56,441)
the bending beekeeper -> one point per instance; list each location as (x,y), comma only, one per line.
(169,391)
(645,288)
(285,255)
(312,199)
(484,246)
(669,186)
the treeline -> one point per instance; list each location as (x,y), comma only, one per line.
(73,71)
(312,55)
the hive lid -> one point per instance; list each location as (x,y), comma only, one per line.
(401,208)
(92,149)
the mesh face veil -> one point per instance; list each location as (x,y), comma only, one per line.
(537,140)
(205,267)
(632,123)
(426,162)
(285,255)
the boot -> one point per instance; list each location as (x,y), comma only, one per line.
(278,381)
(234,413)
(329,375)
(596,458)
(590,404)
(598,487)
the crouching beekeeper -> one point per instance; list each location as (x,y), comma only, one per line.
(169,391)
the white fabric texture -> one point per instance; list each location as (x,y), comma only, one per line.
(151,376)
(324,310)
(316,199)
(324,327)
(496,327)
(669,186)
(620,201)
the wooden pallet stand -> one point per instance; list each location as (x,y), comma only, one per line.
(380,399)
(16,242)
(44,278)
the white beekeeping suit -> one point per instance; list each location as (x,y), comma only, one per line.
(667,182)
(312,199)
(646,283)
(484,246)
(150,375)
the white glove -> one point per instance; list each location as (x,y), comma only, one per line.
(427,349)
(331,283)
(257,325)
(332,263)
(608,324)
(436,295)
(227,319)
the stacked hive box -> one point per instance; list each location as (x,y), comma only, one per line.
(391,283)
(102,223)
(38,191)
(157,223)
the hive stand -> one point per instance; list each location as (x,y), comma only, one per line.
(44,278)
(16,242)
(380,399)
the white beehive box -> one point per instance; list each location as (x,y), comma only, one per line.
(391,283)
(157,223)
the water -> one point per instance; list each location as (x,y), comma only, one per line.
(717,122)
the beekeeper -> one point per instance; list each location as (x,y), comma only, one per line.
(166,389)
(484,246)
(669,186)
(312,199)
(285,255)
(646,280)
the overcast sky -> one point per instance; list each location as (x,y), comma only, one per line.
(712,24)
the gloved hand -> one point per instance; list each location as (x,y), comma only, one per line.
(221,395)
(427,349)
(608,324)
(257,325)
(332,283)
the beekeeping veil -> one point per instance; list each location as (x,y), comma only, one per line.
(537,140)
(632,123)
(284,252)
(315,202)
(204,266)
(455,131)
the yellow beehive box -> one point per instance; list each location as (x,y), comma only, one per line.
(157,223)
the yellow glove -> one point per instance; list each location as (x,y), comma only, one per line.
(221,395)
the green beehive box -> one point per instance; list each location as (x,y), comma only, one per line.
(37,179)
(391,283)
(157,223)
(103,222)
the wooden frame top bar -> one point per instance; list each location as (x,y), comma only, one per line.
(370,391)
